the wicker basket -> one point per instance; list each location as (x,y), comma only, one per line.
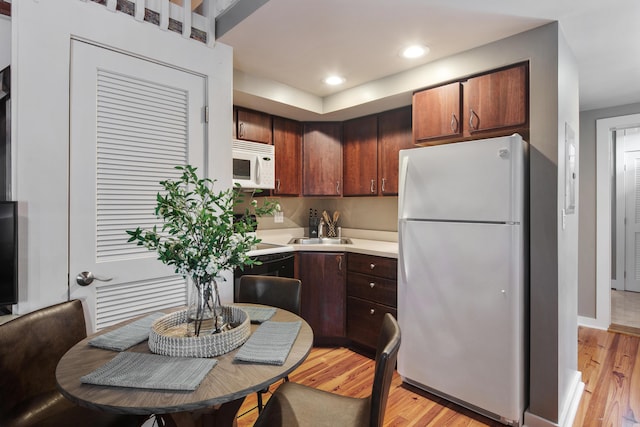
(168,335)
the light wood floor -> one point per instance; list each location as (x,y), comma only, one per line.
(609,362)
(625,309)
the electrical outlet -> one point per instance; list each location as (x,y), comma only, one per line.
(278,217)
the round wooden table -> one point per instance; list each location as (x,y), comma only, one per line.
(214,403)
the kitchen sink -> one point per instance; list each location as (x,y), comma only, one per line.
(320,241)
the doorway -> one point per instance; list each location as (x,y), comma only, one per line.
(609,272)
(625,277)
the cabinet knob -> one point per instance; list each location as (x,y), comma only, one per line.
(383,181)
(372,285)
(373,186)
(372,266)
(372,311)
(337,187)
(278,185)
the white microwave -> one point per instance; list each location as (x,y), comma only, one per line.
(254,165)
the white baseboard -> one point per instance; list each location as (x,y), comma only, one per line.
(590,322)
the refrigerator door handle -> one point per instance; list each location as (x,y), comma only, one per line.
(401,257)
(404,170)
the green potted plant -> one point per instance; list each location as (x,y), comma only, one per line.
(200,238)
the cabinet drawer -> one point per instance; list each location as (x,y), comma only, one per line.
(364,320)
(372,288)
(373,265)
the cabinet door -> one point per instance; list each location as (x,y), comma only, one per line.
(323,292)
(360,156)
(394,134)
(436,113)
(364,321)
(322,159)
(496,100)
(254,126)
(372,288)
(373,265)
(287,141)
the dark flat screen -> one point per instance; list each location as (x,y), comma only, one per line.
(8,253)
(241,169)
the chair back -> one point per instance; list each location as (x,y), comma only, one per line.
(386,355)
(281,292)
(30,348)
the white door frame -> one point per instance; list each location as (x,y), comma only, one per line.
(630,224)
(623,146)
(604,128)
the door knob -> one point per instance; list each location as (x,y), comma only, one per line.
(86,278)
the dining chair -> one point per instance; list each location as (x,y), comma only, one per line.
(30,348)
(298,405)
(281,292)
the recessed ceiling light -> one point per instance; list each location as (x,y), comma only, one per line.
(414,51)
(334,80)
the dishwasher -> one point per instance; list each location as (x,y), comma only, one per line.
(273,264)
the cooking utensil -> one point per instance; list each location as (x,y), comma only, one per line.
(325,215)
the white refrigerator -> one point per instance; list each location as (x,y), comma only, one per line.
(463,274)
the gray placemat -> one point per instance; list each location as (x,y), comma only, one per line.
(127,336)
(270,343)
(259,314)
(151,371)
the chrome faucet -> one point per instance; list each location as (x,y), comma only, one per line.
(321,229)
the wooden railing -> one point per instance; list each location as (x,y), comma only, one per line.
(194,19)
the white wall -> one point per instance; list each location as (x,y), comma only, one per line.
(569,379)
(5,41)
(41,37)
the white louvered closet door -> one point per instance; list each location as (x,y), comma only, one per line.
(632,229)
(132,122)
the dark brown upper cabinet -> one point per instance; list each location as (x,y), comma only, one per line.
(437,113)
(287,141)
(322,159)
(496,100)
(491,104)
(360,156)
(394,134)
(253,126)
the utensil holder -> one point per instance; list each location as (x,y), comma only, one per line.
(331,230)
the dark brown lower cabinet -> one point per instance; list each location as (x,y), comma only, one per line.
(371,292)
(323,276)
(364,320)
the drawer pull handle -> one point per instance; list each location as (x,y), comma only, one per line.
(372,311)
(372,266)
(371,285)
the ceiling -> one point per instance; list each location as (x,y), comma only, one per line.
(296,43)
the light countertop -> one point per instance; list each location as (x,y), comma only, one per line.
(369,242)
